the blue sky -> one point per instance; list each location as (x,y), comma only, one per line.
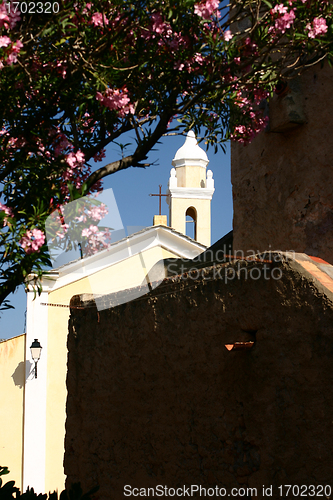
(131,189)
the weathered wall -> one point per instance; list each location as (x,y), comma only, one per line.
(12,381)
(154,397)
(283,182)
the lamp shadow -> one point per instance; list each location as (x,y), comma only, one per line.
(19,375)
(22,372)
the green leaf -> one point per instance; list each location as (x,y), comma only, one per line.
(63,40)
(268,4)
(3,470)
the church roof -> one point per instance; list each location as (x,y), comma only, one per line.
(131,237)
(177,243)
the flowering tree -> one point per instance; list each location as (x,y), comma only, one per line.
(76,76)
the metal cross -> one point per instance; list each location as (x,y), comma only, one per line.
(160,196)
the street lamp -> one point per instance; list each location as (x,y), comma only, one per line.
(36,349)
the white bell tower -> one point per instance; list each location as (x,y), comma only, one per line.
(191,190)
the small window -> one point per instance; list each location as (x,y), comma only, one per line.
(191,223)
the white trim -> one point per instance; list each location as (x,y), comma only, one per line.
(163,236)
(191,193)
(35,396)
(190,162)
(179,246)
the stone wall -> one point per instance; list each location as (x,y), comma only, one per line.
(155,398)
(282,181)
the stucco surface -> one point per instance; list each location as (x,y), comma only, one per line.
(154,397)
(179,207)
(282,181)
(12,381)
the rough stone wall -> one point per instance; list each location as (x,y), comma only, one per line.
(154,397)
(282,181)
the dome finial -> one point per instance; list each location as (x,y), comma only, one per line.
(190,153)
(190,134)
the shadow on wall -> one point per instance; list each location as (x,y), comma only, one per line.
(22,372)
(18,375)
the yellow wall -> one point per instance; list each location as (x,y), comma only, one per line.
(191,176)
(126,274)
(12,381)
(178,208)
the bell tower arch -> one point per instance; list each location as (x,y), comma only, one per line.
(192,213)
(191,189)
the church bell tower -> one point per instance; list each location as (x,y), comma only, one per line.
(190,190)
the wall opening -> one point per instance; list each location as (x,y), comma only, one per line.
(191,223)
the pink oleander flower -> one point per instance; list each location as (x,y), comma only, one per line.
(173,42)
(13,142)
(88,231)
(159,26)
(5,41)
(61,143)
(242,101)
(98,212)
(283,23)
(75,159)
(9,18)
(245,134)
(207,8)
(87,120)
(318,27)
(11,59)
(285,19)
(32,241)
(259,95)
(80,156)
(62,69)
(250,44)
(279,9)
(4,17)
(8,211)
(17,46)
(116,100)
(198,58)
(14,17)
(98,241)
(61,233)
(178,65)
(227,35)
(86,8)
(99,19)
(81,218)
(99,156)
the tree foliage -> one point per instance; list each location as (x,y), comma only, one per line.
(8,491)
(75,80)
